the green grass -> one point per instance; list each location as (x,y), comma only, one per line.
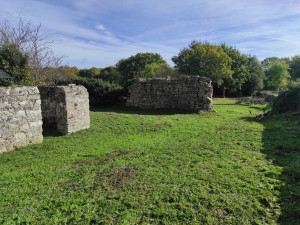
(224,101)
(158,167)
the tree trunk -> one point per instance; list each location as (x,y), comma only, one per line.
(224,89)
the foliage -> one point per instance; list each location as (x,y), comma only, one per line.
(295,67)
(293,62)
(294,83)
(167,72)
(15,63)
(110,74)
(134,66)
(287,101)
(6,82)
(267,62)
(54,76)
(71,71)
(151,70)
(255,82)
(90,73)
(156,167)
(268,96)
(100,92)
(240,70)
(159,70)
(28,39)
(204,59)
(278,75)
(247,77)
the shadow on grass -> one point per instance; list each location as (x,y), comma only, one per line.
(126,110)
(252,106)
(281,144)
(249,119)
(51,132)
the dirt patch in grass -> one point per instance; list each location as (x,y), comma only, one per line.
(154,127)
(118,178)
(82,163)
(112,156)
(115,178)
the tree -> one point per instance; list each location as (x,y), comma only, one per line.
(134,66)
(72,71)
(267,62)
(204,59)
(110,74)
(278,75)
(29,40)
(67,73)
(255,81)
(151,70)
(240,70)
(15,63)
(90,73)
(159,70)
(84,73)
(295,67)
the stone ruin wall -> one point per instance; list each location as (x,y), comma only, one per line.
(20,117)
(65,108)
(23,110)
(190,93)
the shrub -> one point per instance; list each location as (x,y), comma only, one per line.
(134,67)
(5,83)
(14,62)
(100,92)
(262,98)
(287,101)
(267,96)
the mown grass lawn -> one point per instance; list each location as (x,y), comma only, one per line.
(158,167)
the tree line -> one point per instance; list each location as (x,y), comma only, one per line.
(232,72)
(27,56)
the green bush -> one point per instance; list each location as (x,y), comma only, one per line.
(287,101)
(14,62)
(100,92)
(6,82)
(267,96)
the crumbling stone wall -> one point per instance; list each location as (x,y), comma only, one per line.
(20,117)
(65,108)
(191,93)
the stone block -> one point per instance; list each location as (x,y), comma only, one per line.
(65,107)
(14,113)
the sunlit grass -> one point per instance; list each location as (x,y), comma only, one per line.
(157,167)
(224,101)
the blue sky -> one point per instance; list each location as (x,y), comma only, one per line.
(101,32)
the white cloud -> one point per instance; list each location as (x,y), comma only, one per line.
(100,32)
(100,27)
(98,55)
